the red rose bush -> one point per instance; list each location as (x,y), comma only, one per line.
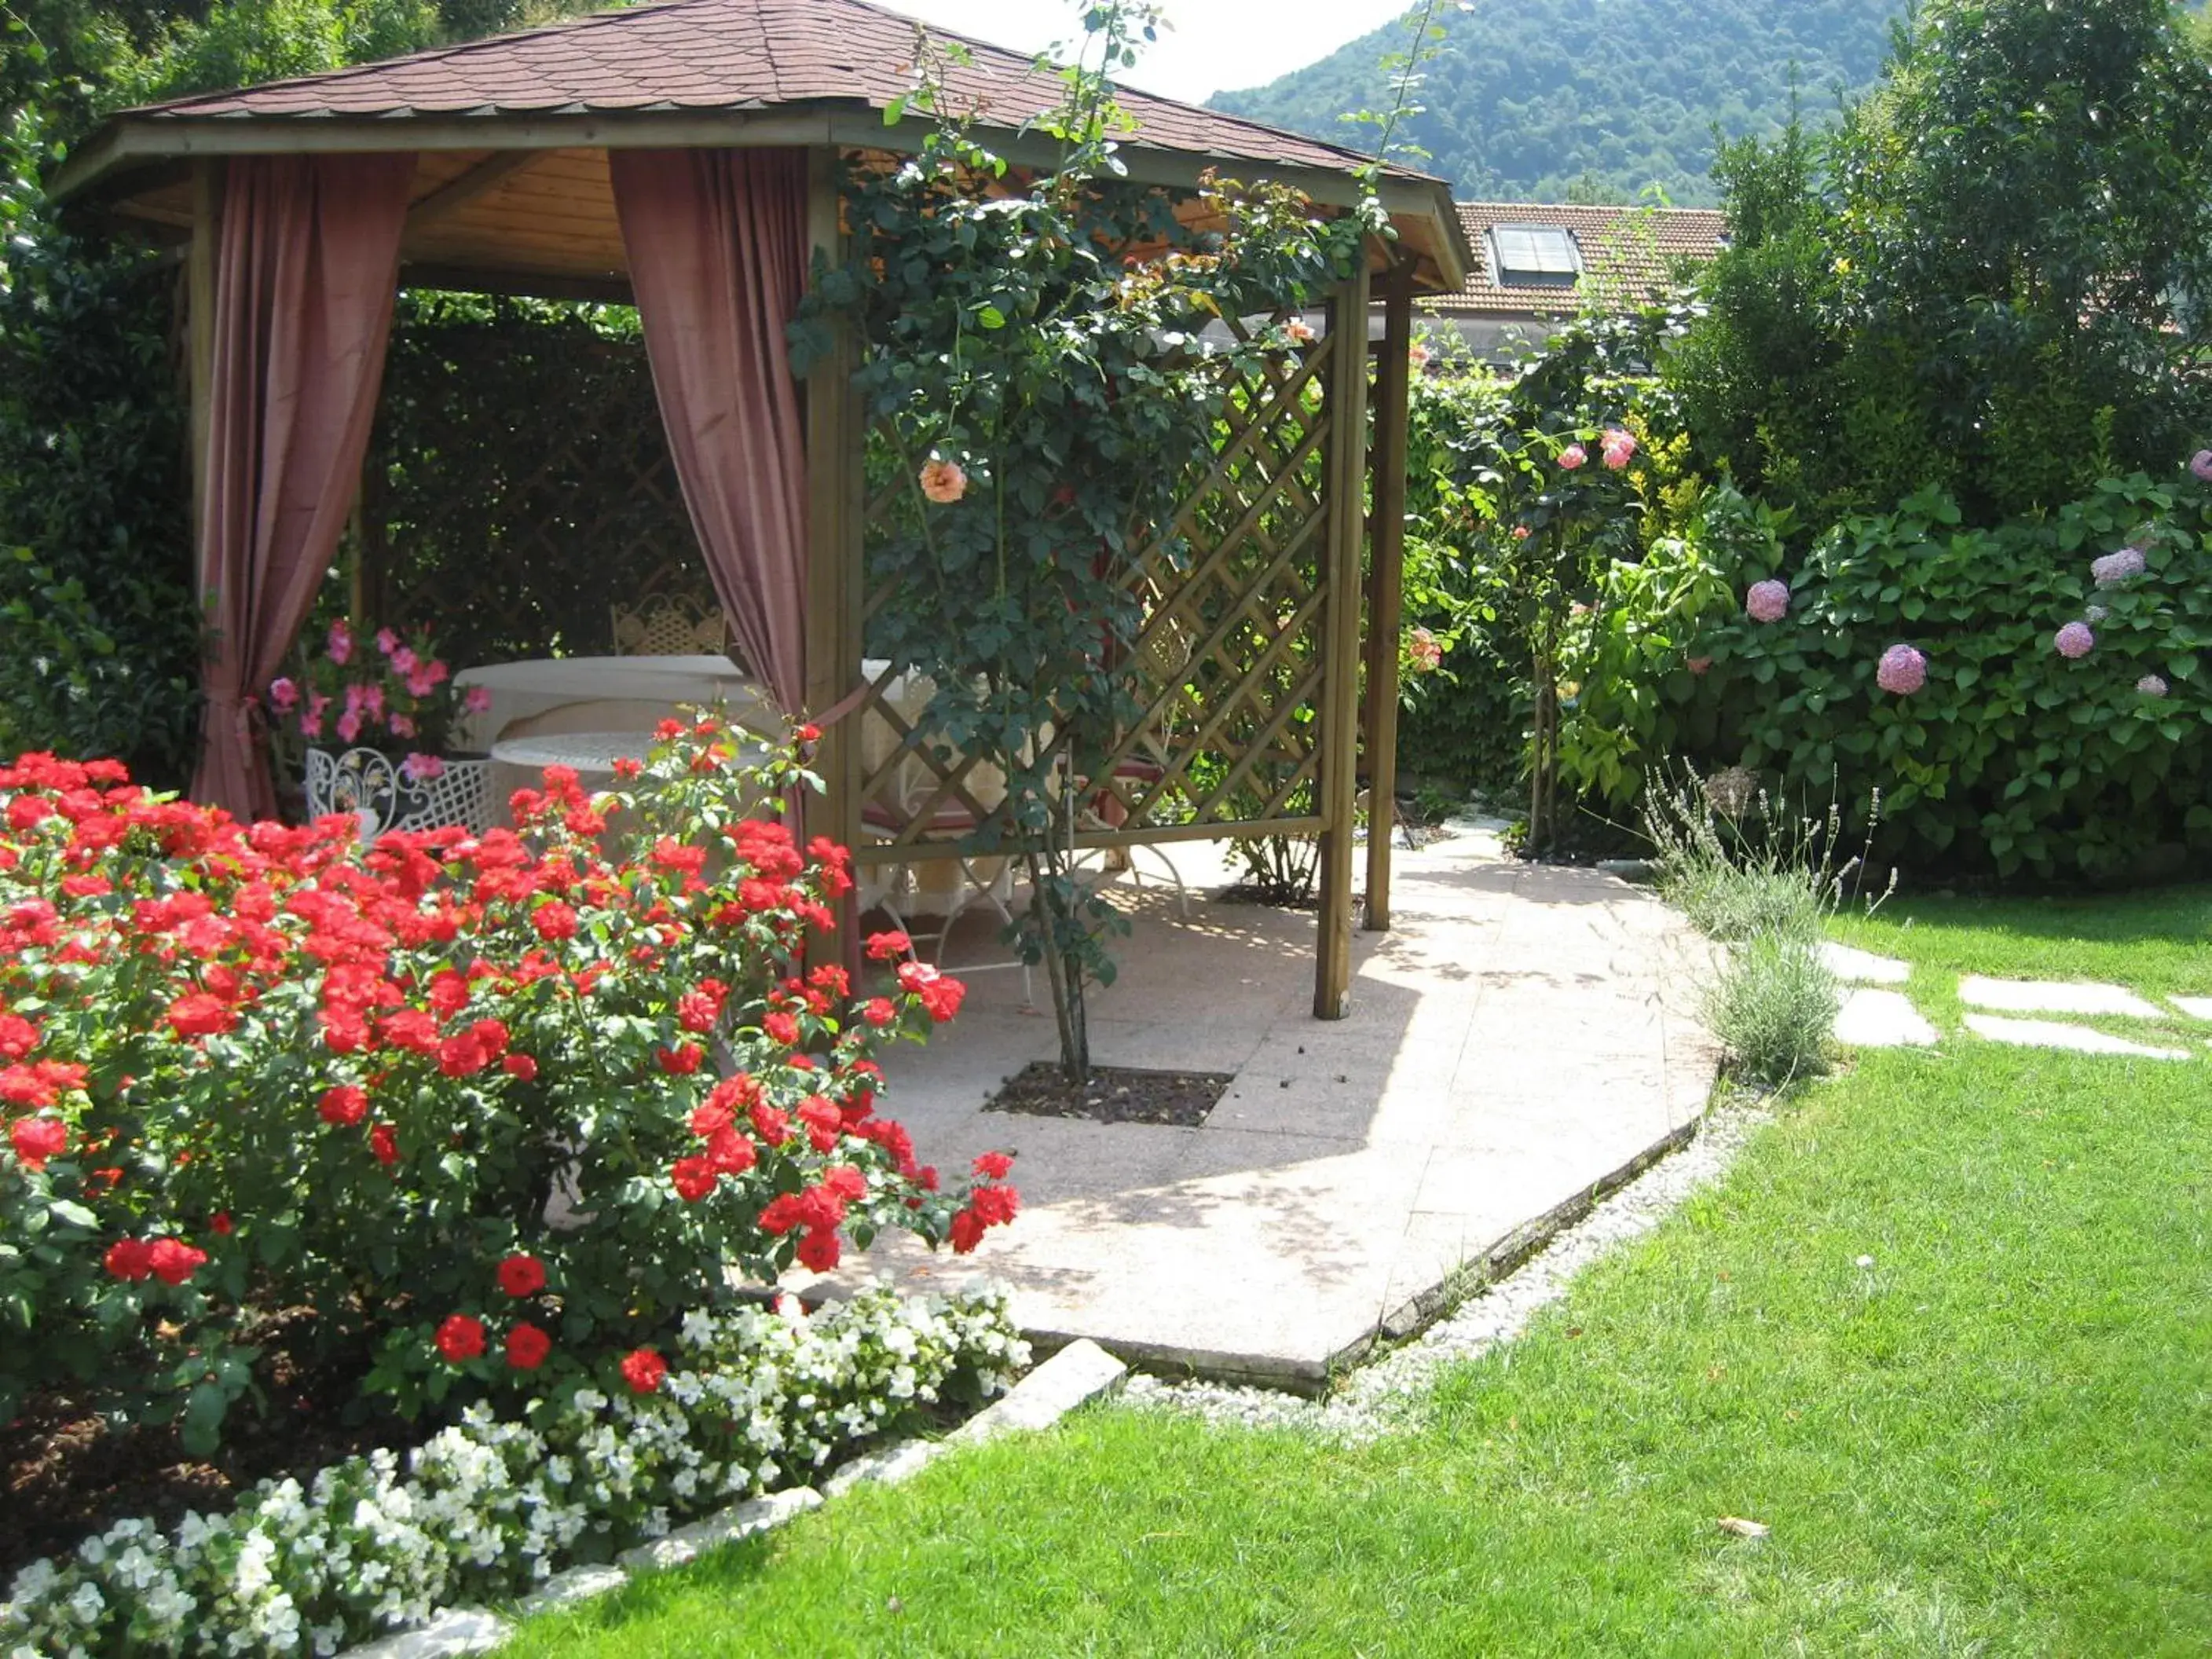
(502,1109)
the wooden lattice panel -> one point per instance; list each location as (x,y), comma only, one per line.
(1229,666)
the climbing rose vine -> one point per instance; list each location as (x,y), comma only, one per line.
(499,1108)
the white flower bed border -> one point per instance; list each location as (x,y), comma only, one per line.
(486,1510)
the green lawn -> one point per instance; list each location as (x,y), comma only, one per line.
(1997,1439)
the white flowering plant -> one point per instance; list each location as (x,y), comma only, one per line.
(758,1399)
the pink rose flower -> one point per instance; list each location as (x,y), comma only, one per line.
(437,671)
(283,696)
(1699,665)
(311,721)
(1619,448)
(1423,650)
(340,643)
(405,661)
(419,684)
(478,699)
(2074,641)
(421,769)
(1299,330)
(386,640)
(1520,532)
(401,726)
(349,727)
(943,482)
(1767,601)
(1573,456)
(1902,671)
(1418,355)
(372,703)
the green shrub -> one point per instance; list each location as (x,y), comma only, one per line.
(1775,1006)
(2012,757)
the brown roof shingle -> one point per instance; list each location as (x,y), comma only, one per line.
(723,55)
(1634,249)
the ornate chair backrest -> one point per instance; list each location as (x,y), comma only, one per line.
(668,628)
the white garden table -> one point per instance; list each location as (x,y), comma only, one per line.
(578,694)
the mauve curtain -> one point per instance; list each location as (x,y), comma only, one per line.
(306,267)
(716,241)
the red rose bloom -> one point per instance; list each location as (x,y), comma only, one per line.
(781,1028)
(526,1348)
(522,1275)
(173,1261)
(38,1139)
(463,1056)
(520,1065)
(967,1232)
(694,1178)
(18,1036)
(346,1104)
(554,921)
(994,1166)
(878,1012)
(383,1141)
(198,1014)
(129,1259)
(681,1060)
(818,1248)
(643,1369)
(460,1338)
(730,1152)
(881,947)
(222,1225)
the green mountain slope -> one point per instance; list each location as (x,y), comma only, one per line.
(1534,99)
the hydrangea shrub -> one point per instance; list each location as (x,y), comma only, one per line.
(1958,671)
(499,1108)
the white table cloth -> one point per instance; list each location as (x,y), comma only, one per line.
(623,692)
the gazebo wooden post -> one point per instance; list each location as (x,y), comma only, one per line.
(836,446)
(1338,785)
(1386,586)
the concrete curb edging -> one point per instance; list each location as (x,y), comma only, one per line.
(1080,1372)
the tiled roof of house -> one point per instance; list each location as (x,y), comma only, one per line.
(1635,249)
(722,54)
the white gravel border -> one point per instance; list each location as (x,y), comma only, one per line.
(1379,1397)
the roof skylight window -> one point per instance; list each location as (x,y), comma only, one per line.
(1535,255)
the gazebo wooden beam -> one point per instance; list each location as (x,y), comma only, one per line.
(1338,786)
(485,176)
(1385,585)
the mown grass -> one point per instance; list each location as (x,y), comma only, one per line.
(1991,1440)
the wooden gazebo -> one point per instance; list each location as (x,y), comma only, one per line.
(645,155)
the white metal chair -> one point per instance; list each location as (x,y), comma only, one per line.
(668,628)
(369,784)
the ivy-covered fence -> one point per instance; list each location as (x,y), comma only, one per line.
(519,482)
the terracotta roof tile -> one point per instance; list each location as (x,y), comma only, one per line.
(725,55)
(1634,248)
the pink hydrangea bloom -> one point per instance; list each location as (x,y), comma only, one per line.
(1767,601)
(1619,448)
(283,696)
(1573,456)
(1902,671)
(2151,686)
(2117,567)
(2074,641)
(2201,463)
(2095,613)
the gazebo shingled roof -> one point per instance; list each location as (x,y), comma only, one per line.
(505,127)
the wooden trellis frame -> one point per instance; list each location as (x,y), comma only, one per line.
(1247,660)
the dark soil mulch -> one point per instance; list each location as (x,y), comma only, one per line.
(1115,1094)
(70,1473)
(1277,898)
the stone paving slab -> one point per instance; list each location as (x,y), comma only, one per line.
(1882,1019)
(2055,1034)
(1525,1036)
(2035,996)
(2195,1008)
(1857,967)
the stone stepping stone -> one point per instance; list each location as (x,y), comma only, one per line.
(2052,1034)
(1857,967)
(1882,1019)
(2046,996)
(2195,1008)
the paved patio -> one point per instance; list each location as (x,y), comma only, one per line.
(1522,1038)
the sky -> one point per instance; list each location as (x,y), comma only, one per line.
(1213,46)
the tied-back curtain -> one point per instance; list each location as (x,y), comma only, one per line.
(307,269)
(716,242)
